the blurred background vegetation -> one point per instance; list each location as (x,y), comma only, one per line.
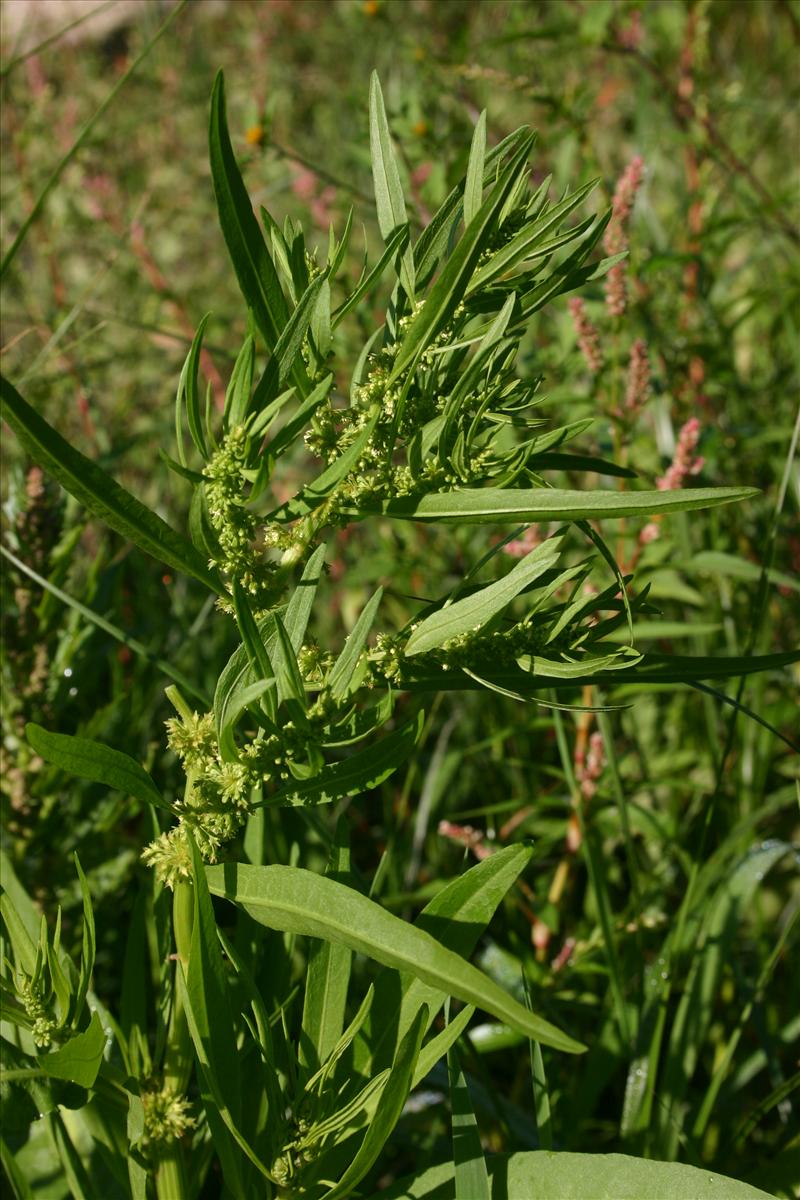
(101,305)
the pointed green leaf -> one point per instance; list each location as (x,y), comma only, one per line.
(388,1109)
(343,670)
(474,611)
(102,495)
(548,1175)
(473,187)
(79,1059)
(91,760)
(492,505)
(471,1177)
(297,901)
(386,177)
(254,268)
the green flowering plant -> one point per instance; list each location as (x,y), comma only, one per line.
(437,422)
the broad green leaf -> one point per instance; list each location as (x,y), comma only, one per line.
(548,1175)
(343,670)
(388,1109)
(474,611)
(386,178)
(449,288)
(327,977)
(79,1059)
(354,775)
(473,186)
(456,917)
(471,1178)
(91,760)
(98,492)
(481,506)
(254,268)
(297,901)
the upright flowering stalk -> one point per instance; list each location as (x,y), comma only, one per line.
(587,335)
(615,239)
(637,391)
(684,463)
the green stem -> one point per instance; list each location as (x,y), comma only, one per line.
(170,1175)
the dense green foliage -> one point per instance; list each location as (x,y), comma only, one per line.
(465,586)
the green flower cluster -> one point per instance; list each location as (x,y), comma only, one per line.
(235,527)
(216,801)
(167,1116)
(30,995)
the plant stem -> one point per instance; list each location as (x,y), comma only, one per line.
(170,1176)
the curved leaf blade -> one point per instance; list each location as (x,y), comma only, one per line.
(545,1175)
(298,901)
(101,494)
(91,760)
(258,279)
(480,506)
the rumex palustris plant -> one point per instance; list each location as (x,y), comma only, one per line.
(226,1082)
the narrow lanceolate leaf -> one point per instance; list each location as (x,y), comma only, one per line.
(360,773)
(386,177)
(456,916)
(388,1109)
(483,506)
(98,492)
(298,610)
(91,760)
(474,611)
(298,901)
(205,990)
(396,242)
(344,668)
(287,348)
(471,1177)
(254,268)
(188,393)
(449,288)
(473,187)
